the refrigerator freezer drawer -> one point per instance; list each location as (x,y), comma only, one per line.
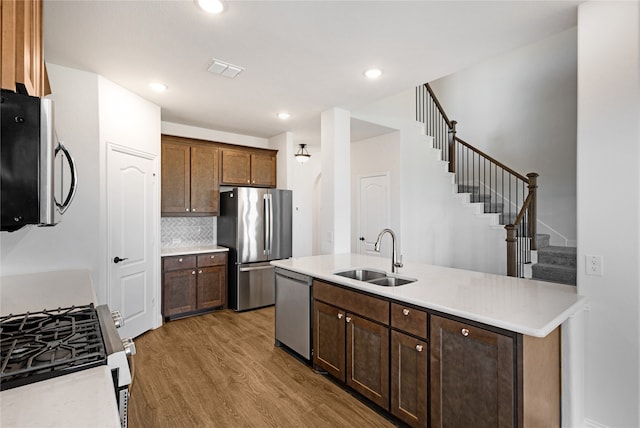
(255,286)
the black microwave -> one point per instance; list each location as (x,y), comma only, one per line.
(28,152)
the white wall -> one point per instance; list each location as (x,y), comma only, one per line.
(608,161)
(521,109)
(89,110)
(74,243)
(376,155)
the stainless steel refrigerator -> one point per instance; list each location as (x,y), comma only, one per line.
(255,224)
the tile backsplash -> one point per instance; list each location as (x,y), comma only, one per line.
(188,231)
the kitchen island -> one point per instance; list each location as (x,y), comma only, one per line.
(453,347)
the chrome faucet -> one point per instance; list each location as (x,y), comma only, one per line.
(395,263)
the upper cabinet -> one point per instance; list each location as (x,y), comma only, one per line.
(190,184)
(248,167)
(22,58)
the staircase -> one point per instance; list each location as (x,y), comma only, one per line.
(502,191)
(554,264)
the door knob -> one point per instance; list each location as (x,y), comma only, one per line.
(117,259)
(361,238)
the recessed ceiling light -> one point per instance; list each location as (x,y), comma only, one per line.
(211,6)
(283,115)
(373,73)
(158,87)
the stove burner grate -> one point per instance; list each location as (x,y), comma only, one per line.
(40,345)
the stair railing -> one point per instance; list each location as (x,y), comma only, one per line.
(501,189)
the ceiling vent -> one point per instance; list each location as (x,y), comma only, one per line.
(225,69)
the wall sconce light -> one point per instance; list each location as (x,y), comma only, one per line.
(303,155)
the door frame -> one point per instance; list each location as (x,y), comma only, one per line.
(387,176)
(110,147)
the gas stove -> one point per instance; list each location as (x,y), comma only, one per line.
(35,346)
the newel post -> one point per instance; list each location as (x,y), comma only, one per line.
(452,146)
(511,250)
(533,214)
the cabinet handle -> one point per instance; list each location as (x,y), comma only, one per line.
(193,209)
(212,257)
(180,260)
(193,272)
(186,209)
(465,332)
(200,271)
(340,316)
(348,319)
(405,312)
(419,348)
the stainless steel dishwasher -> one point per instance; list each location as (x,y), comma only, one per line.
(293,311)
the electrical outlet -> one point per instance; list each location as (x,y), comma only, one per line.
(593,265)
(175,241)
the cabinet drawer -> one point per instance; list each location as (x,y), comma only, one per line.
(352,301)
(413,321)
(212,259)
(178,262)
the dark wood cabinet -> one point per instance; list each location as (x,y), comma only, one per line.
(193,284)
(409,365)
(351,340)
(245,167)
(22,55)
(190,183)
(329,339)
(473,376)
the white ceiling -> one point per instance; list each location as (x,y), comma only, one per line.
(300,56)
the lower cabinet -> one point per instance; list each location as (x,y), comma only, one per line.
(193,283)
(350,347)
(409,365)
(433,371)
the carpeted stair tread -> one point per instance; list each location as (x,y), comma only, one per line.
(560,256)
(554,273)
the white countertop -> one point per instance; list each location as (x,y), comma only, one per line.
(84,399)
(525,306)
(45,290)
(192,250)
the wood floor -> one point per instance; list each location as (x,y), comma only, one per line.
(223,370)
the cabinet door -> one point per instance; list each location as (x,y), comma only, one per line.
(236,167)
(368,359)
(205,189)
(22,59)
(328,339)
(409,379)
(263,170)
(176,172)
(472,376)
(179,292)
(212,287)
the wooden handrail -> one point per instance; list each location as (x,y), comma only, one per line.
(437,103)
(489,158)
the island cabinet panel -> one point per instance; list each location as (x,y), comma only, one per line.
(409,365)
(350,341)
(409,379)
(329,339)
(368,359)
(473,376)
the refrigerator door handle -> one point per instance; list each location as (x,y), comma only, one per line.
(270,247)
(267,222)
(251,269)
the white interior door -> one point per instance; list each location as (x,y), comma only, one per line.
(373,212)
(132,193)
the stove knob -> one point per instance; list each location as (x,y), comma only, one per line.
(129,347)
(118,320)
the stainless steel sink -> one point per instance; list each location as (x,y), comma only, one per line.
(392,281)
(362,274)
(376,277)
